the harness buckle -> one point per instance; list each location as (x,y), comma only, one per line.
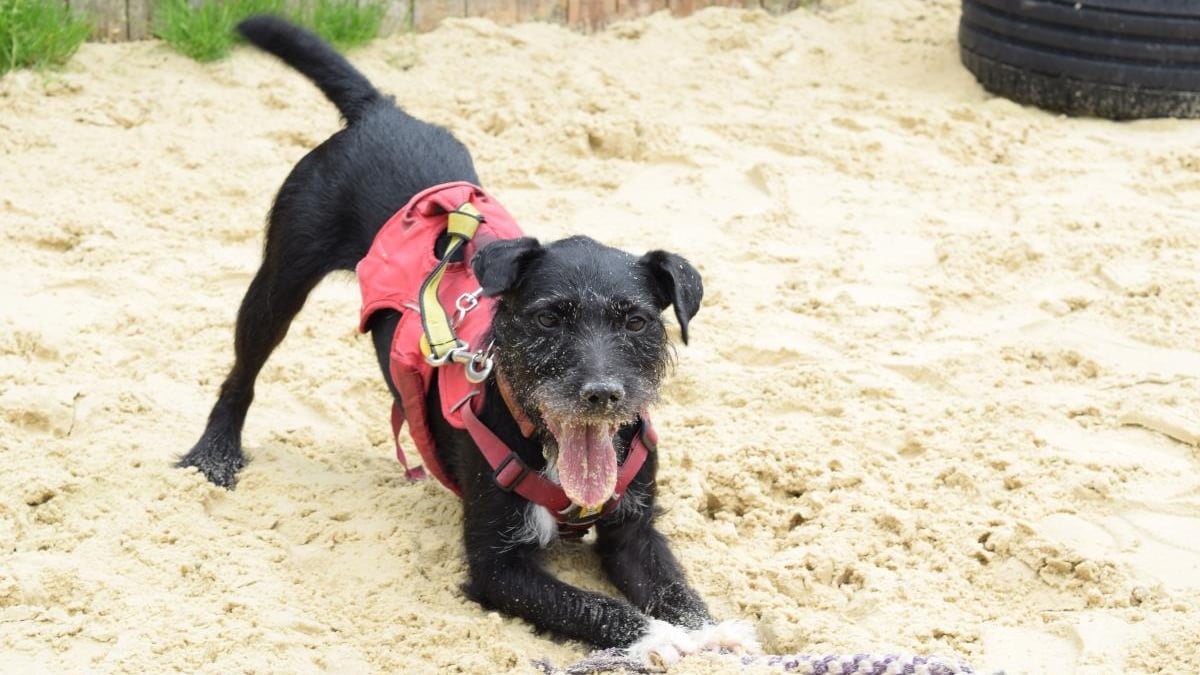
(510,473)
(577,516)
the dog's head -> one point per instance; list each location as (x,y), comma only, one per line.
(580,339)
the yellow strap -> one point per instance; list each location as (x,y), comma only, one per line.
(463,221)
(439,339)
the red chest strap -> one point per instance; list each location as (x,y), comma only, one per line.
(413,473)
(513,475)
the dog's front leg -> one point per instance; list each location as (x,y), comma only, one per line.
(639,562)
(509,577)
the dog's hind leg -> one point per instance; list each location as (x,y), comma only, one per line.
(304,244)
(276,294)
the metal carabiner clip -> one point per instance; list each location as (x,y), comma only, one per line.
(480,365)
(437,362)
(476,373)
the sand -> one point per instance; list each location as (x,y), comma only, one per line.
(942,396)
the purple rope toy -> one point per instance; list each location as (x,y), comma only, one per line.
(608,660)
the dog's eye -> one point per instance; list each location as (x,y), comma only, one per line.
(547,320)
(635,324)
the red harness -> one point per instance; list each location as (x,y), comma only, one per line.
(391,276)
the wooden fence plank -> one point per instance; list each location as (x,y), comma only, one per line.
(740,4)
(427,14)
(688,7)
(397,16)
(589,15)
(629,9)
(108,18)
(500,11)
(684,7)
(116,20)
(553,11)
(140,17)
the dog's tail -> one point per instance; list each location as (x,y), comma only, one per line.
(348,89)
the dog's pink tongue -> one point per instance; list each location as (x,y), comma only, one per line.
(587,463)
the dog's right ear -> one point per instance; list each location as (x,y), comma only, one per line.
(500,264)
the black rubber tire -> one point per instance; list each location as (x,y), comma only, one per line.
(1152,7)
(1120,59)
(1089,17)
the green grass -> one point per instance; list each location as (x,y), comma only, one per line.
(38,33)
(206,32)
(344,23)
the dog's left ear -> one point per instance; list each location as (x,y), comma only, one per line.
(498,266)
(676,283)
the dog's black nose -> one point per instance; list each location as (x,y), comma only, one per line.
(602,393)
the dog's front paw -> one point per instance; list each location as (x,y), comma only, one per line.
(662,644)
(731,636)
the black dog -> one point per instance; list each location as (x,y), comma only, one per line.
(577,336)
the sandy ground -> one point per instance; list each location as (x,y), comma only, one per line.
(942,396)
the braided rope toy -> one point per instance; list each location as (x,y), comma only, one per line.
(608,660)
